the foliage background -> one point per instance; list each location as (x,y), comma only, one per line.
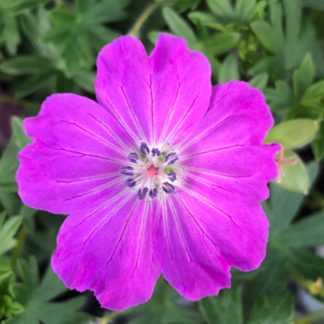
(276,45)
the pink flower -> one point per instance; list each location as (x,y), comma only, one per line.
(163,176)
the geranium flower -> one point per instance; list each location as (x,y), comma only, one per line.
(163,176)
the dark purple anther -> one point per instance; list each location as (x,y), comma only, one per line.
(168,187)
(156,152)
(153,193)
(133,157)
(142,193)
(172,176)
(126,170)
(144,149)
(130,182)
(171,158)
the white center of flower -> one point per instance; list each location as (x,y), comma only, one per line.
(151,172)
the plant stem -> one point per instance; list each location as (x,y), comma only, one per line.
(135,30)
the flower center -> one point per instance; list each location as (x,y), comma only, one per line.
(151,172)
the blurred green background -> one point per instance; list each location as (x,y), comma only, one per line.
(276,45)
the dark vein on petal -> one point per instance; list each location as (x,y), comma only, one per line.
(179,227)
(216,173)
(135,119)
(107,128)
(170,114)
(122,234)
(95,136)
(183,120)
(189,156)
(90,178)
(209,203)
(97,189)
(105,219)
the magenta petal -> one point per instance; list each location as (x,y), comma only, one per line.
(190,261)
(197,240)
(123,85)
(155,98)
(70,134)
(181,88)
(238,172)
(109,252)
(226,146)
(238,115)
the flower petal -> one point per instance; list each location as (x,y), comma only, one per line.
(197,241)
(226,147)
(110,252)
(123,85)
(236,172)
(181,88)
(238,115)
(155,98)
(70,134)
(189,259)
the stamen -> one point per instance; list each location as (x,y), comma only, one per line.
(133,157)
(168,187)
(144,148)
(130,182)
(156,152)
(153,193)
(172,176)
(142,193)
(171,158)
(126,170)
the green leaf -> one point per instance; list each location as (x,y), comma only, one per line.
(163,308)
(10,34)
(260,81)
(304,76)
(224,308)
(36,297)
(229,69)
(33,83)
(294,176)
(295,133)
(78,33)
(281,97)
(85,80)
(284,204)
(200,17)
(270,278)
(314,96)
(245,9)
(264,32)
(221,43)
(304,263)
(8,229)
(178,26)
(307,232)
(318,143)
(221,8)
(21,65)
(8,161)
(275,309)
(314,4)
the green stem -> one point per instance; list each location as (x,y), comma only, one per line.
(135,30)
